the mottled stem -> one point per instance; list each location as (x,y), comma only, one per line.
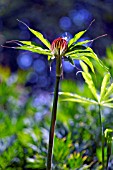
(54,111)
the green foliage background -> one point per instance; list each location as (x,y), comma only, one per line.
(23,138)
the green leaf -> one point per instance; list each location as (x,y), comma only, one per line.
(29,43)
(76,98)
(76,47)
(89,81)
(83,42)
(108,133)
(110,105)
(104,85)
(77,50)
(107,101)
(88,62)
(76,37)
(108,92)
(88,52)
(35,49)
(84,67)
(38,35)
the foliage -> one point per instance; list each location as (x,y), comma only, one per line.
(23,138)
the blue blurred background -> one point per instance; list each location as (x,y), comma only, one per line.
(27,84)
(53,18)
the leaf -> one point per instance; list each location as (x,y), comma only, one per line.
(82,101)
(107,101)
(76,37)
(35,49)
(70,60)
(77,50)
(110,105)
(76,47)
(76,98)
(89,54)
(108,92)
(38,35)
(29,43)
(83,42)
(84,66)
(108,133)
(88,62)
(104,85)
(89,81)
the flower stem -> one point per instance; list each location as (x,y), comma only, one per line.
(102,136)
(54,111)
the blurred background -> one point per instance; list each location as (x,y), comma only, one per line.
(26,82)
(53,19)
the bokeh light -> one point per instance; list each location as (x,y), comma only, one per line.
(32,78)
(80,17)
(65,23)
(43,81)
(24,60)
(39,66)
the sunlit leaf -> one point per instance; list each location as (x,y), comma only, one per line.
(88,62)
(84,67)
(76,98)
(76,47)
(89,81)
(108,92)
(83,42)
(110,105)
(78,50)
(30,43)
(76,37)
(107,101)
(104,85)
(35,49)
(38,35)
(108,133)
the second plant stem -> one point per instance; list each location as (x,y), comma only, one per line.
(54,111)
(102,136)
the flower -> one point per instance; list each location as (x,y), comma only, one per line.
(59,46)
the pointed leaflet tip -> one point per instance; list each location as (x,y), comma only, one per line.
(14,41)
(90,24)
(22,23)
(7,47)
(99,37)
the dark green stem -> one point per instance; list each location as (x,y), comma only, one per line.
(102,136)
(54,111)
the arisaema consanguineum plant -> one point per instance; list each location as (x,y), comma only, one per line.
(59,49)
(102,99)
